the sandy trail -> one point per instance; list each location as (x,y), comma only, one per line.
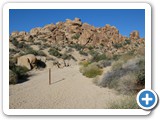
(69,89)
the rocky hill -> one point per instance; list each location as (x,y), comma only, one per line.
(72,40)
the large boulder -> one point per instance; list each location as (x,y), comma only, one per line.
(15,33)
(35,31)
(134,35)
(28,61)
(49,27)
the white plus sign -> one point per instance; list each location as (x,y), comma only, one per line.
(147,99)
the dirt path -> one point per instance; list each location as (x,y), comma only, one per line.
(69,89)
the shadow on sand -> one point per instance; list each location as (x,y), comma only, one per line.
(58,81)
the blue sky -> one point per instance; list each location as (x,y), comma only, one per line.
(125,20)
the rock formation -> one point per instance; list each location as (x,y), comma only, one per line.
(28,61)
(74,33)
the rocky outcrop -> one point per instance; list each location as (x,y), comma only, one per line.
(28,61)
(75,33)
(134,35)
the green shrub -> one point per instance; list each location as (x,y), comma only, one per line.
(99,57)
(67,57)
(78,47)
(93,53)
(91,71)
(30,50)
(54,52)
(17,73)
(127,41)
(13,79)
(14,42)
(40,53)
(13,51)
(117,45)
(85,63)
(90,47)
(116,57)
(83,53)
(20,71)
(140,74)
(128,102)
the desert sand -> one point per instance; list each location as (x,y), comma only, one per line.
(69,90)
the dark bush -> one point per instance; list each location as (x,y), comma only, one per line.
(83,53)
(78,47)
(13,51)
(99,57)
(90,47)
(127,41)
(140,74)
(15,42)
(18,74)
(13,79)
(117,45)
(54,52)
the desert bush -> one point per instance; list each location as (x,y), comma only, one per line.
(69,50)
(127,84)
(13,79)
(12,61)
(40,53)
(83,53)
(127,41)
(90,47)
(93,52)
(21,45)
(110,78)
(117,65)
(17,73)
(13,51)
(128,77)
(117,45)
(30,50)
(91,70)
(85,63)
(99,57)
(104,63)
(115,57)
(78,47)
(14,42)
(54,52)
(140,74)
(66,56)
(128,102)
(20,71)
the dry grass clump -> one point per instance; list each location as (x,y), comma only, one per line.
(91,70)
(128,102)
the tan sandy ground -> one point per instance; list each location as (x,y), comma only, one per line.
(69,89)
